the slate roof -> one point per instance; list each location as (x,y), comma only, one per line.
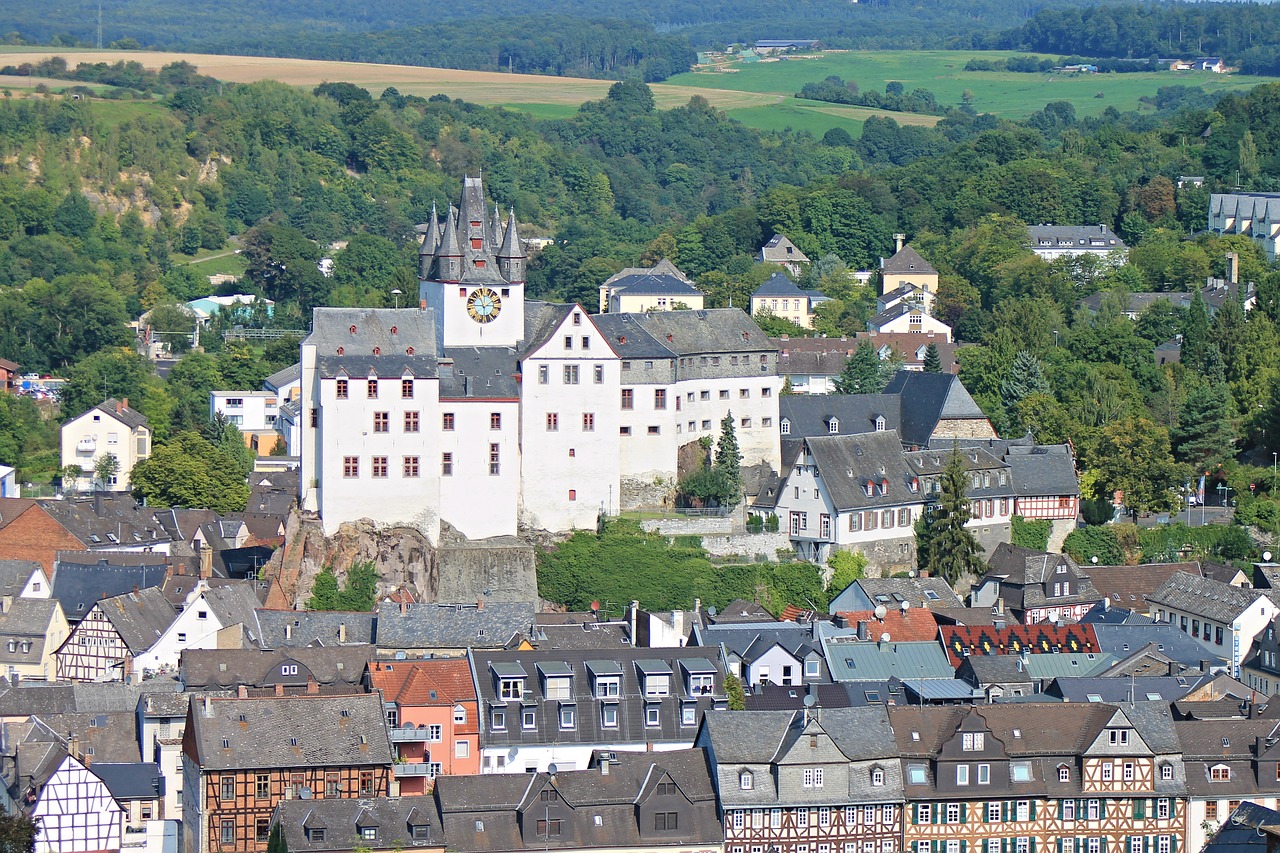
(1153,688)
(663,267)
(1210,599)
(294,731)
(103,522)
(811,414)
(138,781)
(714,330)
(1014,639)
(584,636)
(921,592)
(479,372)
(848,463)
(1240,831)
(27,621)
(138,617)
(629,338)
(1233,742)
(1123,640)
(928,398)
(1042,470)
(907,261)
(110,736)
(202,669)
(14,575)
(1025,575)
(740,610)
(781,285)
(483,813)
(776,251)
(403,627)
(541,319)
(131,418)
(649,283)
(892,313)
(868,661)
(113,696)
(373,348)
(1130,586)
(585,667)
(283,377)
(852,694)
(312,628)
(391,817)
(1092,237)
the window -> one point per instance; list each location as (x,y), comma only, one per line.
(877,777)
(494,460)
(1162,809)
(1220,773)
(609,716)
(568,717)
(332,784)
(379,467)
(568,341)
(1119,737)
(655,430)
(528,719)
(598,371)
(962,774)
(824,816)
(182,638)
(1022,811)
(410,467)
(724,395)
(973,741)
(1107,770)
(227,784)
(652,715)
(1020,772)
(406,389)
(984,774)
(660,398)
(628,398)
(666,821)
(366,784)
(511,688)
(498,719)
(341,389)
(550,827)
(1128,771)
(411,422)
(446,421)
(589,422)
(350,466)
(373,389)
(1166,772)
(811,777)
(544,374)
(228,831)
(261,829)
(1211,810)
(993,812)
(446,464)
(746,781)
(553,421)
(495,420)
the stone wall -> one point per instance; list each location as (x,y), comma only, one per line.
(641,493)
(695,525)
(1059,529)
(748,546)
(460,571)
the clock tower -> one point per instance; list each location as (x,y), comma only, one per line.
(471,271)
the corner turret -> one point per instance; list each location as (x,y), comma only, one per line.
(449,253)
(511,257)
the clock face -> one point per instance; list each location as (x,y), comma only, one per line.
(483,305)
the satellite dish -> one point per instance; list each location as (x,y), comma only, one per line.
(881,611)
(1266,556)
(712,611)
(304,793)
(810,700)
(906,605)
(884,638)
(552,769)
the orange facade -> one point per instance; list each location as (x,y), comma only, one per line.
(433,718)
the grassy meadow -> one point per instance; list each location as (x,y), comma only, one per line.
(759,94)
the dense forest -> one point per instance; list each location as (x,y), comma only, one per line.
(100,213)
(1247,35)
(648,40)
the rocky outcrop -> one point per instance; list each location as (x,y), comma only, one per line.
(457,571)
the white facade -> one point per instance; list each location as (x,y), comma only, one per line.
(196,627)
(480,485)
(161,741)
(520,758)
(916,321)
(111,429)
(1234,641)
(249,411)
(775,666)
(9,487)
(76,813)
(568,427)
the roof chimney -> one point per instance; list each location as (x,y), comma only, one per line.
(1233,268)
(242,692)
(208,707)
(862,629)
(899,240)
(6,603)
(342,632)
(479,604)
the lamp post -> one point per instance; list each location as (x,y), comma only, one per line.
(396,293)
(1273,472)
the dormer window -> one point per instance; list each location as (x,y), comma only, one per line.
(833,426)
(746,781)
(786,427)
(315,834)
(914,484)
(870,488)
(511,678)
(1219,773)
(877,777)
(1166,772)
(880,423)
(1064,774)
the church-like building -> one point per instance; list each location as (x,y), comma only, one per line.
(496,413)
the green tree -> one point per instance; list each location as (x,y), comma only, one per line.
(358,593)
(1025,377)
(728,458)
(932,361)
(275,841)
(105,469)
(846,567)
(191,471)
(18,833)
(173,324)
(1132,457)
(1195,333)
(1206,430)
(118,372)
(733,689)
(953,551)
(865,373)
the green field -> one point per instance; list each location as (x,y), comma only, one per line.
(220,262)
(1007,94)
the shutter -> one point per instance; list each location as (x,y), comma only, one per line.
(915,813)
(1062,815)
(1102,813)
(964,846)
(1004,811)
(1033,844)
(1060,850)
(1146,844)
(1033,810)
(964,818)
(1173,844)
(1104,845)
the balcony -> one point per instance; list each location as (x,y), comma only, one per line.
(418,769)
(87,445)
(409,734)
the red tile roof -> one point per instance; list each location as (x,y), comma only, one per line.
(1035,639)
(916,625)
(412,682)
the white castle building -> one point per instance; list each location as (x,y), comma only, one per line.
(495,413)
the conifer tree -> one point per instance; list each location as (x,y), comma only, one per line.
(1195,333)
(1025,377)
(932,361)
(865,373)
(728,459)
(1205,430)
(953,550)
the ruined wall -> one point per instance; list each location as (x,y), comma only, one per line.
(459,571)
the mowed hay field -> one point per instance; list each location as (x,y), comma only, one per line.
(1007,94)
(759,94)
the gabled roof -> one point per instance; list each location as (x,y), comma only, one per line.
(1078,237)
(451,626)
(663,267)
(107,736)
(915,624)
(780,250)
(294,731)
(107,521)
(779,284)
(139,617)
(908,261)
(1130,586)
(26,621)
(381,343)
(1211,599)
(928,398)
(654,284)
(921,592)
(1045,470)
(1164,637)
(222,668)
(392,819)
(117,409)
(438,682)
(848,463)
(139,781)
(14,575)
(284,377)
(812,414)
(962,641)
(292,628)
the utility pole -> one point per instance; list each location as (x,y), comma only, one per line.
(99,24)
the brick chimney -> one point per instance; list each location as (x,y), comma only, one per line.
(242,692)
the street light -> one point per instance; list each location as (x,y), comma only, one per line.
(396,293)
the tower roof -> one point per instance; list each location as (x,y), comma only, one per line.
(511,247)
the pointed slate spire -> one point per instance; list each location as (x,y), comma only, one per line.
(449,253)
(495,228)
(430,238)
(511,256)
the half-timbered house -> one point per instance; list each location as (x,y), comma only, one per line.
(102,645)
(801,781)
(241,757)
(1037,778)
(76,812)
(1227,762)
